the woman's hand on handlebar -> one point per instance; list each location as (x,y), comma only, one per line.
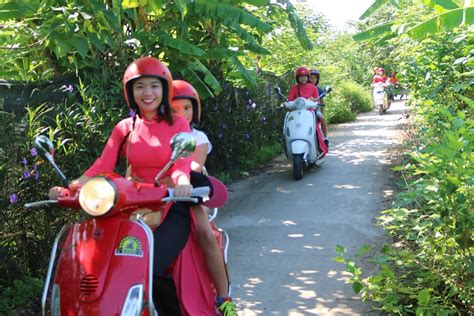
(56,192)
(183,187)
(183,190)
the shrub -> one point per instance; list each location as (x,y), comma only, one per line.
(23,292)
(347,99)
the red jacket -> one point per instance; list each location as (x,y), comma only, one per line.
(378,78)
(306,91)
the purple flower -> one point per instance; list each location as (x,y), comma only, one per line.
(254,105)
(220,135)
(67,88)
(132,113)
(215,109)
(33,151)
(223,126)
(36,171)
(24,162)
(250,101)
(264,120)
(248,136)
(26,174)
(13,198)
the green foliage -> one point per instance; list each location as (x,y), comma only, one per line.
(25,291)
(357,96)
(429,268)
(244,126)
(348,99)
(442,15)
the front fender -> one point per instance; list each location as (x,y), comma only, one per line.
(300,147)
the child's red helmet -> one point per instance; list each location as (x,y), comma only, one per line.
(301,71)
(147,67)
(184,90)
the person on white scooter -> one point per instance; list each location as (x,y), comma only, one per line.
(186,103)
(304,89)
(143,140)
(314,77)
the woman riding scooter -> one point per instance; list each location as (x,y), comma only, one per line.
(304,89)
(143,139)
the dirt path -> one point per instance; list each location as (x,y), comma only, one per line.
(284,232)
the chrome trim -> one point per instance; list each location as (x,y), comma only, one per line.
(226,244)
(213,216)
(226,248)
(149,234)
(50,270)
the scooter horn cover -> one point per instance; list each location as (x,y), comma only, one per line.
(219,194)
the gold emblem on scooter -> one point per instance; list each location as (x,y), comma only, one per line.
(129,246)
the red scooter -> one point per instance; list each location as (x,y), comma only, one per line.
(104,265)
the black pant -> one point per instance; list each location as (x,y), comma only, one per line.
(169,239)
(171,236)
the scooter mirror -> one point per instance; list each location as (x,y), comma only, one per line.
(328,89)
(278,92)
(183,145)
(44,147)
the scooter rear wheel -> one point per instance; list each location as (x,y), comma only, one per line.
(298,165)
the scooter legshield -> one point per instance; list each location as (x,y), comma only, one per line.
(299,131)
(100,260)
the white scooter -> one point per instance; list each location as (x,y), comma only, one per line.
(381,101)
(303,138)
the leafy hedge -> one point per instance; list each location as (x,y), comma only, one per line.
(348,99)
(429,269)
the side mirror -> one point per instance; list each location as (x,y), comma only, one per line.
(183,145)
(45,149)
(278,91)
(328,89)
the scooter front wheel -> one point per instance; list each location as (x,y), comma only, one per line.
(380,109)
(298,165)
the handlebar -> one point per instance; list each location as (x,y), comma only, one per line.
(40,203)
(196,195)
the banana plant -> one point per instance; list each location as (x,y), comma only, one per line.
(445,15)
(202,40)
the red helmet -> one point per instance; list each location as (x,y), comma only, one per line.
(184,90)
(148,67)
(301,71)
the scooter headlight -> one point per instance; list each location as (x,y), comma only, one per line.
(98,196)
(300,103)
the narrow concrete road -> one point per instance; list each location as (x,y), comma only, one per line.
(284,232)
